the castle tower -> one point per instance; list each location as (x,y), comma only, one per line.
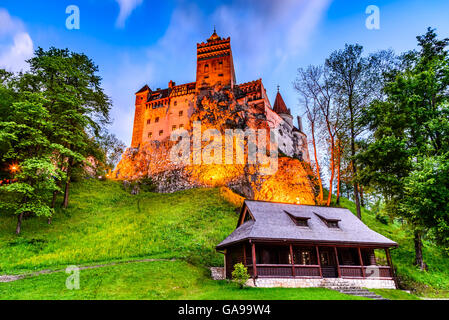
(215,64)
(281,109)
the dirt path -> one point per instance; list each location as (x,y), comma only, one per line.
(11,278)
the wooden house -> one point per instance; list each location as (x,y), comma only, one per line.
(294,242)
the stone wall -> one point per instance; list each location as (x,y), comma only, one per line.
(321,283)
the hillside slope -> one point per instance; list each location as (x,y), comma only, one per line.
(104,223)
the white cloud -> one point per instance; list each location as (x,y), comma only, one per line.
(16,45)
(126,8)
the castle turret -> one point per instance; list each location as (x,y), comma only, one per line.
(281,109)
(215,64)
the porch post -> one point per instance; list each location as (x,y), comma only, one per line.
(293,260)
(338,263)
(361,262)
(319,260)
(390,264)
(244,254)
(253,245)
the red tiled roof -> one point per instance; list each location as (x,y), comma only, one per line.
(279,105)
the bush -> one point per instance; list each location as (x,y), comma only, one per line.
(240,275)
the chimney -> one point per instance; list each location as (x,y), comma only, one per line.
(300,124)
(171,84)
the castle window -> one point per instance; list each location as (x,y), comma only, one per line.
(150,134)
(148,121)
(161,132)
(156,120)
(181,113)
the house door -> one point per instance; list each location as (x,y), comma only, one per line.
(328,263)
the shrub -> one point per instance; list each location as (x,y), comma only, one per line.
(240,275)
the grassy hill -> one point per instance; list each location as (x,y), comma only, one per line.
(105,224)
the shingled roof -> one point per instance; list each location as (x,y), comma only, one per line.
(273,221)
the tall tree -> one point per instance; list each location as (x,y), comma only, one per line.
(408,154)
(26,131)
(356,80)
(76,102)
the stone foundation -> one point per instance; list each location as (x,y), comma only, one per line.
(217,273)
(321,283)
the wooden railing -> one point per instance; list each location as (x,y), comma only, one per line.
(313,271)
(286,270)
(365,272)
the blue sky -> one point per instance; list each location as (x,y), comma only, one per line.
(141,41)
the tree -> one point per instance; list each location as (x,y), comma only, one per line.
(316,89)
(75,100)
(26,131)
(240,275)
(410,142)
(356,80)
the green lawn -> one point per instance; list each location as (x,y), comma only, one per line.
(173,280)
(105,224)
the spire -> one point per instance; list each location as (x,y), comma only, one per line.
(279,105)
(214,36)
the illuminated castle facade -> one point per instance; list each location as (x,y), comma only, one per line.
(159,112)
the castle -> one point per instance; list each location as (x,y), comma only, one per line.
(161,111)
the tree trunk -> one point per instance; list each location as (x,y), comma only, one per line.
(362,198)
(318,174)
(65,202)
(419,260)
(354,167)
(331,180)
(338,172)
(19,223)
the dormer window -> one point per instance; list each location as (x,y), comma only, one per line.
(299,221)
(330,223)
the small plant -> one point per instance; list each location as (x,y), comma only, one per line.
(240,275)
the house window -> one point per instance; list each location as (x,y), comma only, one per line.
(156,120)
(301,222)
(332,224)
(150,134)
(181,126)
(206,68)
(175,103)
(161,132)
(148,121)
(173,128)
(220,75)
(181,113)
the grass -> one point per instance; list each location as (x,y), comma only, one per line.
(395,294)
(105,224)
(170,280)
